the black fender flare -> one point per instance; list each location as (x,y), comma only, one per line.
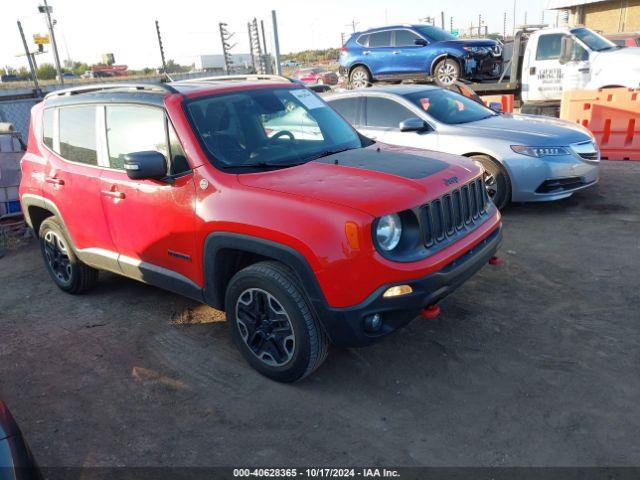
(217,241)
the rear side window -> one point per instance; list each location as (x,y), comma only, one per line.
(78,134)
(406,38)
(348,108)
(380,39)
(385,113)
(47,127)
(363,40)
(134,129)
(549,46)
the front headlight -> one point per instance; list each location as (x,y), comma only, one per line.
(539,151)
(389,231)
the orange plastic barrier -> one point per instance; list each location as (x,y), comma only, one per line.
(612,115)
(505,100)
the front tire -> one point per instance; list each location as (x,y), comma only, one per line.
(272,323)
(64,267)
(446,72)
(496,180)
(360,77)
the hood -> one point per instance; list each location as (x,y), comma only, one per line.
(470,42)
(533,130)
(629,55)
(376,180)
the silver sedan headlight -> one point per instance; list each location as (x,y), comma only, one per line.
(540,151)
(389,231)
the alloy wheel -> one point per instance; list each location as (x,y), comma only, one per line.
(265,327)
(359,79)
(57,256)
(447,74)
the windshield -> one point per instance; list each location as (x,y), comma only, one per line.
(434,33)
(269,127)
(591,39)
(449,107)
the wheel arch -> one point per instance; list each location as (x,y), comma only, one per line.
(360,64)
(37,209)
(227,253)
(435,61)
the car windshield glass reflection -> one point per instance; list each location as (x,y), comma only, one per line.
(269,127)
(449,107)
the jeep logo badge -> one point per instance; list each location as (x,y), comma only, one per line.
(450,180)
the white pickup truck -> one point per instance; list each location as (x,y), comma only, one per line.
(546,61)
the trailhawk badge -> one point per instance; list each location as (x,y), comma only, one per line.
(450,181)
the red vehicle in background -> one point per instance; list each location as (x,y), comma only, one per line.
(628,39)
(317,76)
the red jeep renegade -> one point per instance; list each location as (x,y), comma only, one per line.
(258,199)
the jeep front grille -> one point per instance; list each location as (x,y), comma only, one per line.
(462,209)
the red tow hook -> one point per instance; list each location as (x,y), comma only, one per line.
(495,260)
(431,312)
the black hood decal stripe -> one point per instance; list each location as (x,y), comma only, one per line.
(399,164)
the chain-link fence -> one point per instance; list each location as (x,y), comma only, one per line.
(17,112)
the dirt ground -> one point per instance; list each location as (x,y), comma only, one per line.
(533,362)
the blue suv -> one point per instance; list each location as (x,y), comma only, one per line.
(417,52)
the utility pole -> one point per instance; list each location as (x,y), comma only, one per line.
(525,17)
(479,24)
(164,63)
(504,26)
(442,20)
(341,39)
(514,18)
(264,38)
(276,42)
(450,24)
(46,9)
(32,68)
(352,25)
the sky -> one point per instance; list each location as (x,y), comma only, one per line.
(86,29)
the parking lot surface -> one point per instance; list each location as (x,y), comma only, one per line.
(532,362)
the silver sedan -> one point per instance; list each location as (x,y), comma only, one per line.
(526,158)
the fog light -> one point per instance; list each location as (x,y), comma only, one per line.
(372,323)
(397,291)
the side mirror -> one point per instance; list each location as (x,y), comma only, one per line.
(421,42)
(149,165)
(413,125)
(495,106)
(566,49)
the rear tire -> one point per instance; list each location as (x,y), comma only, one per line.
(65,268)
(360,77)
(496,179)
(446,72)
(273,324)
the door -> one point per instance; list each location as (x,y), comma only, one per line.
(152,221)
(72,176)
(542,72)
(382,117)
(407,56)
(379,53)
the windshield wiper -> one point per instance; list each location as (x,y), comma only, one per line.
(265,164)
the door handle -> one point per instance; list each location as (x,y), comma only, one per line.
(114,194)
(532,71)
(366,52)
(54,181)
(395,52)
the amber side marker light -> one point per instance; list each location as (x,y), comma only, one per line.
(351,231)
(397,291)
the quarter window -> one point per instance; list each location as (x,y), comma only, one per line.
(134,129)
(549,46)
(78,134)
(385,113)
(380,39)
(406,38)
(47,127)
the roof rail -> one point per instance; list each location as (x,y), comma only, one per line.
(231,78)
(111,86)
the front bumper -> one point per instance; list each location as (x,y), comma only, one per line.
(345,326)
(549,179)
(482,67)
